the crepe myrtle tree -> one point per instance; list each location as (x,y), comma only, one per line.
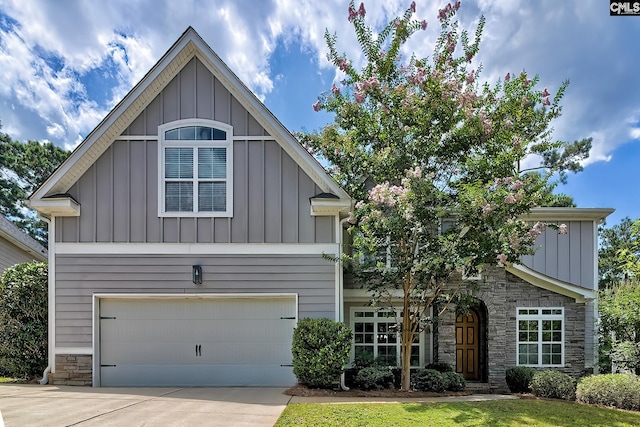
(433,160)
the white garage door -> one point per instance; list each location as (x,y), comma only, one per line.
(197,341)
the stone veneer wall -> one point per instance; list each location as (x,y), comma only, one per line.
(502,293)
(72,369)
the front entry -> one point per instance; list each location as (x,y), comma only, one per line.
(467,348)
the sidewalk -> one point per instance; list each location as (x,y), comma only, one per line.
(469,398)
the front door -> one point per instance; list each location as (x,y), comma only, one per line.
(467,335)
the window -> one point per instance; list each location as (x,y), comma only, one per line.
(376,334)
(540,336)
(195,168)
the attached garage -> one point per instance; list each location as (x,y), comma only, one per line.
(197,340)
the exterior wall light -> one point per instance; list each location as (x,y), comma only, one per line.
(197,274)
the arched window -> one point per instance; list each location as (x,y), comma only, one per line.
(195,168)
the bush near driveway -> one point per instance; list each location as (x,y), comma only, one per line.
(320,350)
(620,391)
(23,320)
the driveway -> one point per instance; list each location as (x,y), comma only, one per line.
(36,405)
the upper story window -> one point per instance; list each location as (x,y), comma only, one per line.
(195,168)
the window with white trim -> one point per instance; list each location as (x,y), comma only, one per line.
(376,334)
(540,339)
(195,169)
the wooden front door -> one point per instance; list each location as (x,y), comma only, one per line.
(467,348)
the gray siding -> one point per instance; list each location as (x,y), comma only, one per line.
(79,277)
(11,255)
(568,257)
(119,193)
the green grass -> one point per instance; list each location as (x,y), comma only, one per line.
(492,413)
(10,380)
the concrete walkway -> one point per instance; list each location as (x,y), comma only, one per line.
(469,398)
(35,405)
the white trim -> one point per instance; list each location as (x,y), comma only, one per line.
(227,144)
(95,374)
(197,249)
(580,294)
(74,350)
(329,206)
(568,214)
(539,318)
(55,206)
(234,137)
(52,293)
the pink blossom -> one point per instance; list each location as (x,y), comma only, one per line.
(343,64)
(545,92)
(335,89)
(359,95)
(514,242)
(423,25)
(510,200)
(502,258)
(519,195)
(486,209)
(364,219)
(471,77)
(507,77)
(508,123)
(352,13)
(456,5)
(507,180)
(361,10)
(412,7)
(546,101)
(562,229)
(414,173)
(350,218)
(360,204)
(316,106)
(517,184)
(537,229)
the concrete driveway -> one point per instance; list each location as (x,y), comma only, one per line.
(36,405)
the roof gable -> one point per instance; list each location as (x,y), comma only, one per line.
(188,46)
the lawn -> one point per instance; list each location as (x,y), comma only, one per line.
(491,413)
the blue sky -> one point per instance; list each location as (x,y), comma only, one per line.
(65,64)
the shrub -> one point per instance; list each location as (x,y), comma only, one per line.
(553,384)
(23,320)
(620,391)
(440,367)
(320,349)
(429,380)
(454,381)
(519,378)
(374,378)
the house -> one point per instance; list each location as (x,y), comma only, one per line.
(189,232)
(17,247)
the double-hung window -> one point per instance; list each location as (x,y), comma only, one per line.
(540,336)
(195,169)
(376,335)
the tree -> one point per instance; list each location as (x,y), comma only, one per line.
(619,253)
(433,158)
(24,167)
(23,319)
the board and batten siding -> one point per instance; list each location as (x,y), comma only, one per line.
(11,255)
(119,193)
(78,277)
(567,257)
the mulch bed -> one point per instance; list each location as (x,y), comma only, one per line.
(301,390)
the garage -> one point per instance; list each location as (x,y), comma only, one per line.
(196,341)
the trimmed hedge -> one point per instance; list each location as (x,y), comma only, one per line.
(433,380)
(519,378)
(620,391)
(320,350)
(374,378)
(23,320)
(553,384)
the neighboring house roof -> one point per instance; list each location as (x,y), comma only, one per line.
(22,240)
(189,45)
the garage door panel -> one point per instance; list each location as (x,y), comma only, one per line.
(196,341)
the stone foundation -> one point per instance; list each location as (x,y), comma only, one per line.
(72,369)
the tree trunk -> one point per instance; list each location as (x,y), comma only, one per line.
(405,348)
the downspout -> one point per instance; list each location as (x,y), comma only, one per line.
(51,307)
(341,222)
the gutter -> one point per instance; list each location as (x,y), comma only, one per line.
(343,385)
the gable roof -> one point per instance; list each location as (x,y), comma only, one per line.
(188,46)
(543,281)
(22,240)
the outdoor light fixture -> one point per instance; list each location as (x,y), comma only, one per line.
(197,275)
